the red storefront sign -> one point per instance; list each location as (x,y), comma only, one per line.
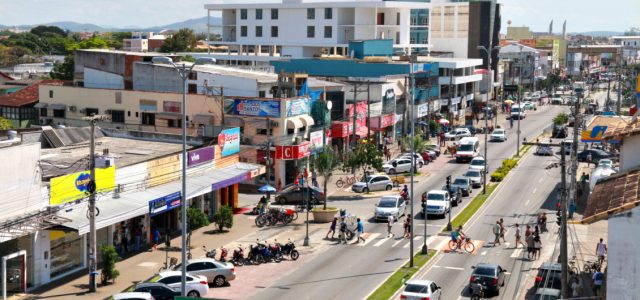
(341,129)
(293,152)
(382,122)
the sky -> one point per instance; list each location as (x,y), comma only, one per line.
(581,15)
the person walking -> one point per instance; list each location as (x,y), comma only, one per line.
(598,281)
(589,158)
(601,251)
(332,228)
(530,246)
(314,178)
(127,238)
(496,232)
(537,246)
(390,221)
(156,238)
(518,241)
(359,232)
(503,230)
(511,122)
(342,236)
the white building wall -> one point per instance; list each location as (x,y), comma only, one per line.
(102,80)
(20,182)
(233,85)
(41,257)
(132,178)
(629,150)
(623,264)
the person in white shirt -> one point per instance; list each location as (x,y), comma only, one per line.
(601,251)
(390,221)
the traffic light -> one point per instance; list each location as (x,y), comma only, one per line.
(424,200)
(448,182)
(559,218)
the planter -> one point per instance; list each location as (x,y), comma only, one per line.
(324,216)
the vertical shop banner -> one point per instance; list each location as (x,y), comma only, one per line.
(316,140)
(256,108)
(71,187)
(229,141)
(199,156)
(164,204)
(299,106)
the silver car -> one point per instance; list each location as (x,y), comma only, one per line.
(475,176)
(373,183)
(218,273)
(390,205)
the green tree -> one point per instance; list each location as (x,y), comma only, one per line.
(560,119)
(223,217)
(189,58)
(5,124)
(419,143)
(196,218)
(64,70)
(109,259)
(45,30)
(325,163)
(183,40)
(365,157)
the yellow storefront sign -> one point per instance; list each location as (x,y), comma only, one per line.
(72,187)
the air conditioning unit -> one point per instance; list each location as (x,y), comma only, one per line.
(105,161)
(82,111)
(72,108)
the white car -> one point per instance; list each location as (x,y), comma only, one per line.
(197,285)
(373,183)
(438,203)
(393,205)
(477,163)
(421,289)
(417,157)
(475,176)
(398,165)
(518,112)
(457,133)
(605,163)
(216,272)
(499,135)
(132,296)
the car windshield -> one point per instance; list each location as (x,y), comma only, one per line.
(434,197)
(416,288)
(515,109)
(465,148)
(484,271)
(498,132)
(472,174)
(460,181)
(477,162)
(386,203)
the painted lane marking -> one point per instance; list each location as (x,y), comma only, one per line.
(483,252)
(397,242)
(534,191)
(516,253)
(380,242)
(454,268)
(368,239)
(526,202)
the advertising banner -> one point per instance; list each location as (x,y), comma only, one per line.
(594,135)
(229,141)
(422,110)
(316,139)
(199,156)
(71,187)
(298,107)
(294,151)
(164,204)
(256,108)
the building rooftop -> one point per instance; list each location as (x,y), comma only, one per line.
(613,195)
(289,4)
(147,54)
(621,128)
(26,96)
(70,159)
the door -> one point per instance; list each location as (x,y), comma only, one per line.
(375,184)
(196,268)
(380,18)
(401,207)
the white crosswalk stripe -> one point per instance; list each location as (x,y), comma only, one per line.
(382,241)
(516,253)
(397,242)
(370,238)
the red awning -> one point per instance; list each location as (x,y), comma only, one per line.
(362,131)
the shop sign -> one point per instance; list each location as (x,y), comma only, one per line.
(422,110)
(293,152)
(71,187)
(316,139)
(199,156)
(382,121)
(171,106)
(341,129)
(594,135)
(296,107)
(148,105)
(256,108)
(420,68)
(164,204)
(229,141)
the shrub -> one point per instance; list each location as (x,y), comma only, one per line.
(509,163)
(497,176)
(196,218)
(223,217)
(109,259)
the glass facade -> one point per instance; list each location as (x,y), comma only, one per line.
(419,32)
(66,252)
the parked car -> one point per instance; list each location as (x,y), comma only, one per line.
(393,205)
(197,285)
(398,165)
(462,183)
(530,105)
(216,272)
(456,134)
(544,150)
(438,203)
(475,177)
(605,163)
(435,149)
(491,276)
(547,294)
(568,146)
(293,194)
(429,155)
(556,99)
(559,132)
(158,290)
(455,194)
(132,296)
(549,276)
(596,155)
(477,163)
(419,160)
(499,135)
(373,183)
(421,289)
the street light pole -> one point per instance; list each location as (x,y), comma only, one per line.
(519,107)
(413,159)
(486,119)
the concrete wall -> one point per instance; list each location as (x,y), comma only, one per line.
(629,157)
(456,45)
(102,80)
(108,62)
(149,77)
(622,262)
(233,85)
(21,181)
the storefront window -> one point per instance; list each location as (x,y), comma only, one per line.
(66,252)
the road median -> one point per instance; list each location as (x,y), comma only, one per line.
(390,286)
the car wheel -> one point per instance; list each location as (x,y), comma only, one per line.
(388,188)
(365,190)
(219,281)
(420,165)
(282,200)
(193,294)
(392,171)
(396,183)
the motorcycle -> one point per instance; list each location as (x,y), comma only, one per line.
(255,256)
(209,254)
(477,290)
(223,254)
(238,256)
(272,253)
(289,249)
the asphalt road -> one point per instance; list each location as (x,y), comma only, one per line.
(352,272)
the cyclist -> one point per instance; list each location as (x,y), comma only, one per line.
(457,236)
(405,192)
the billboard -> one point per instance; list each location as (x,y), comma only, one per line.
(594,135)
(199,156)
(229,141)
(71,187)
(256,108)
(296,107)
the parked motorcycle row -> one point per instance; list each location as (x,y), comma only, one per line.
(256,254)
(275,216)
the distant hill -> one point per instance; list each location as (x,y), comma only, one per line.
(197,25)
(600,33)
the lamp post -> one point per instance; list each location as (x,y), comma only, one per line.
(486,120)
(183,72)
(519,97)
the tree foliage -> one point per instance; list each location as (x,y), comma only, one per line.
(325,164)
(109,259)
(419,143)
(366,156)
(223,217)
(183,40)
(5,124)
(561,119)
(64,70)
(44,30)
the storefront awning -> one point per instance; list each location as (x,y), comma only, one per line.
(41,105)
(362,131)
(136,203)
(307,120)
(58,106)
(294,123)
(169,116)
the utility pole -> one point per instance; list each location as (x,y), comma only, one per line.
(355,116)
(520,88)
(607,103)
(212,90)
(268,158)
(369,111)
(406,106)
(563,228)
(413,160)
(619,103)
(449,105)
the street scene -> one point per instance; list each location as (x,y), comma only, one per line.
(377,150)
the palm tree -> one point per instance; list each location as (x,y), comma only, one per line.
(325,163)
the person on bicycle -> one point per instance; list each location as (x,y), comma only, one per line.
(405,192)
(457,236)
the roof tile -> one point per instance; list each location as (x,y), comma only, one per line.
(26,96)
(613,195)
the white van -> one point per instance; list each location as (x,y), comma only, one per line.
(517,112)
(467,149)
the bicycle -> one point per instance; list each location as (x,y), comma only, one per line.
(573,269)
(465,244)
(173,262)
(591,266)
(348,180)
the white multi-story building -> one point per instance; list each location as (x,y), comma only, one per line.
(630,46)
(307,28)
